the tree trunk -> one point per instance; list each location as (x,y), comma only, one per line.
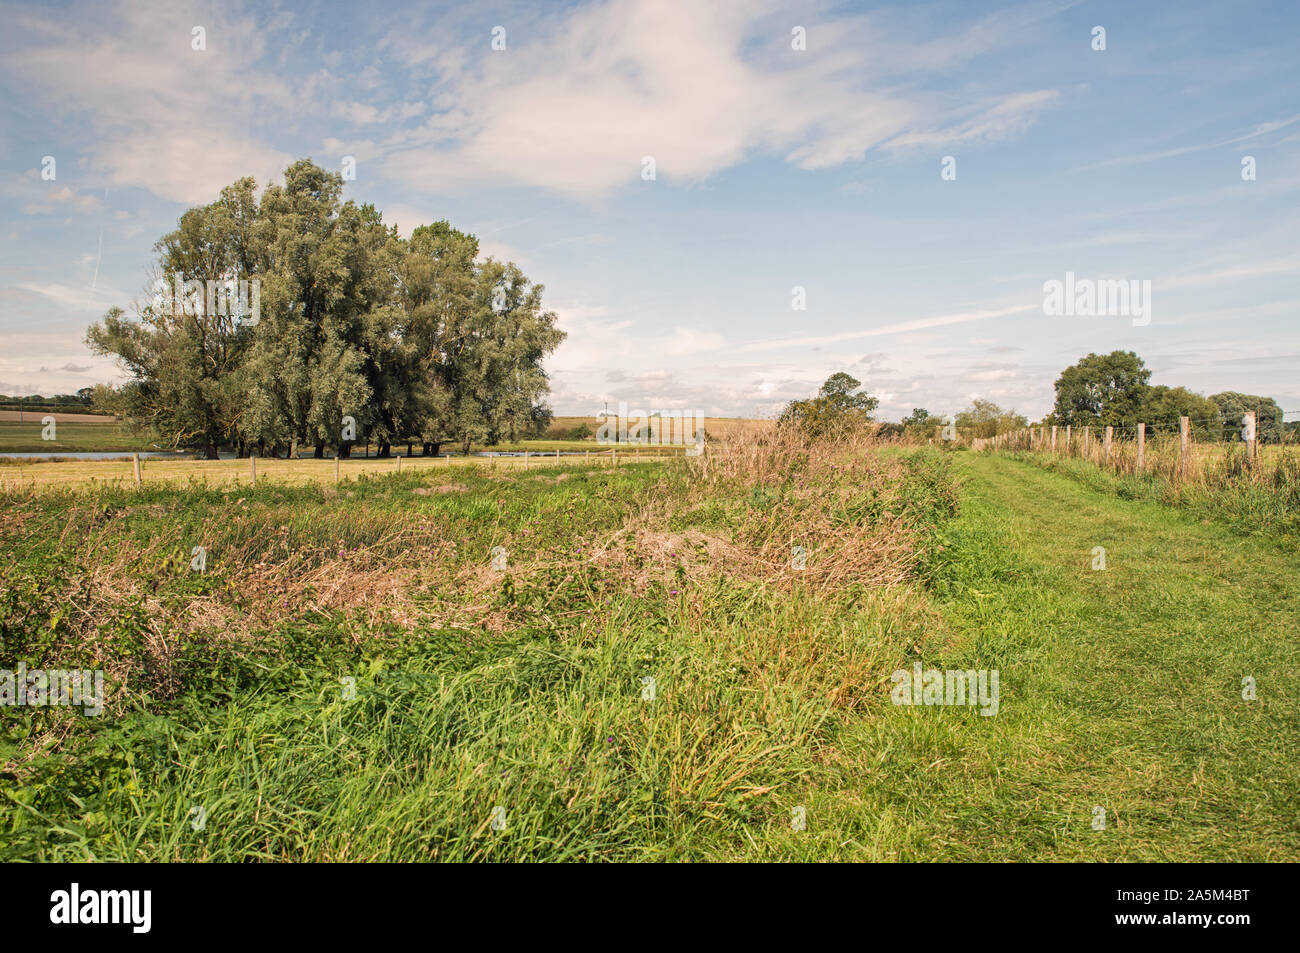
(385,450)
(320,450)
(210,451)
(345,450)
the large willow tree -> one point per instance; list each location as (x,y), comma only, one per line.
(413,340)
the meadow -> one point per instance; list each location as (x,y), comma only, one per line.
(476,687)
(670,660)
(73,432)
(88,432)
(24,474)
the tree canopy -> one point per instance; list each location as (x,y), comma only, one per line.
(836,405)
(1114,389)
(987,419)
(1102,389)
(1232,407)
(352,331)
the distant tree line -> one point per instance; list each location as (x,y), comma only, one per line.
(357,333)
(983,418)
(1114,390)
(81,402)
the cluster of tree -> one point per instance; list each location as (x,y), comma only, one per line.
(83,397)
(359,334)
(983,418)
(79,403)
(836,406)
(987,419)
(1115,390)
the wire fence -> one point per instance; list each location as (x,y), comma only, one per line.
(1181,454)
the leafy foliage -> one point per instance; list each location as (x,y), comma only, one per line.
(835,407)
(410,338)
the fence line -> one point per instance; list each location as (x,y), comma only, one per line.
(1174,450)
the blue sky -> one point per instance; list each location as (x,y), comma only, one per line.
(775,168)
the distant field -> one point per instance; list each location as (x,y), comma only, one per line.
(29,415)
(87,432)
(74,432)
(715,426)
(223,473)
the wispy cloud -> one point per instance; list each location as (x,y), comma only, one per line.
(1261,129)
(938,321)
(576,106)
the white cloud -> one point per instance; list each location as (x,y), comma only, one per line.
(591,92)
(151,111)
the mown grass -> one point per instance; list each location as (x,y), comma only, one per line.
(1121,689)
(1223,487)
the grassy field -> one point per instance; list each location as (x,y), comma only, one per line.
(1121,690)
(19,475)
(80,434)
(644,673)
(717,427)
(84,432)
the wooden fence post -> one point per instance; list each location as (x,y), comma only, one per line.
(399,463)
(1087,440)
(1053,438)
(336,468)
(525,459)
(252,468)
(1185,446)
(135,457)
(1069,447)
(1142,447)
(1109,430)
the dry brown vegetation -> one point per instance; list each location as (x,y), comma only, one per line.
(407,563)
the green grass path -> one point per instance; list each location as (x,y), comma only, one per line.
(1120,689)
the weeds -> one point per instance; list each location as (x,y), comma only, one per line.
(475,688)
